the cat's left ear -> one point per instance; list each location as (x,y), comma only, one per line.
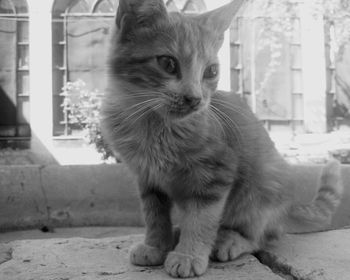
(221,18)
(135,13)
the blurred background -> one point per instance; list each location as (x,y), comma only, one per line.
(288,59)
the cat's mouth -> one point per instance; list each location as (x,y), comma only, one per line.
(182,106)
(179,112)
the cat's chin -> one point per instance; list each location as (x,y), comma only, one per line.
(180,115)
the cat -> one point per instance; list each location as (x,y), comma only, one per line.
(197,148)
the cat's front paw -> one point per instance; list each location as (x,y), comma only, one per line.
(144,255)
(183,266)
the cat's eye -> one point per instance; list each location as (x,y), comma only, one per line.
(168,64)
(211,72)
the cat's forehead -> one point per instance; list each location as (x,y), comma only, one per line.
(181,36)
(191,38)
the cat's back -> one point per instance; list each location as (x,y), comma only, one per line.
(237,117)
(260,163)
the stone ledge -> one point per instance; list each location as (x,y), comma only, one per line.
(102,195)
(97,259)
(316,256)
(57,196)
(321,256)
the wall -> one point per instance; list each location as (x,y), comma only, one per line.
(41,116)
(41,74)
(103,195)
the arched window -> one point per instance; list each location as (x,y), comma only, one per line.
(105,6)
(80,39)
(186,6)
(14,70)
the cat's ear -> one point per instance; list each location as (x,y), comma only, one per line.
(221,18)
(139,13)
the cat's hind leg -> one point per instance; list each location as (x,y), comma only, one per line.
(232,242)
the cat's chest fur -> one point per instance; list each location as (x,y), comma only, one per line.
(155,151)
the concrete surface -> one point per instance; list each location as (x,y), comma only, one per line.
(84,232)
(321,256)
(95,259)
(102,195)
(56,196)
(316,256)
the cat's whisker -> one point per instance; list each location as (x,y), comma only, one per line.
(218,118)
(148,104)
(214,117)
(150,94)
(130,101)
(230,123)
(146,112)
(130,112)
(231,106)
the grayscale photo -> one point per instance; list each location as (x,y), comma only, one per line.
(162,139)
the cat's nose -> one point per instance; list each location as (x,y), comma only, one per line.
(192,101)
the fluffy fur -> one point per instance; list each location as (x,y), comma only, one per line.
(194,147)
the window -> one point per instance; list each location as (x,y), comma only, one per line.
(80,39)
(14,70)
(186,6)
(266,71)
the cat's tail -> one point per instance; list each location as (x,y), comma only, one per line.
(317,215)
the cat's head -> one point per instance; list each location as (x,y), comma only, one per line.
(167,62)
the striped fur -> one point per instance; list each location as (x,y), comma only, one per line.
(315,215)
(194,147)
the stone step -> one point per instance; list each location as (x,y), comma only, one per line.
(321,256)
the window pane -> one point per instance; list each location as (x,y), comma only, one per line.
(58,56)
(298,105)
(21,6)
(296,31)
(87,43)
(23,31)
(23,115)
(23,56)
(58,81)
(297,81)
(94,79)
(296,56)
(6,7)
(7,98)
(105,6)
(7,45)
(180,4)
(171,6)
(57,30)
(22,82)
(79,7)
(194,6)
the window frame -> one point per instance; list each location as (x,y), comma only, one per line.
(22,129)
(61,12)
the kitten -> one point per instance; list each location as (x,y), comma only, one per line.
(196,148)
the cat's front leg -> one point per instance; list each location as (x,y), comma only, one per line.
(199,224)
(159,238)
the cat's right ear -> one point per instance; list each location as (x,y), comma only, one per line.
(220,19)
(133,14)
